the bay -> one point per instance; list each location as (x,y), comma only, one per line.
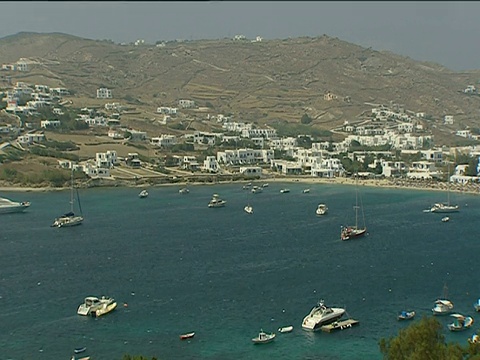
(181,266)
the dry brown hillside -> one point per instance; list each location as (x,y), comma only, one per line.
(275,80)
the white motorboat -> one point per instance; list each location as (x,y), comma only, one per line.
(257,189)
(216,202)
(306,191)
(322,209)
(477,305)
(460,323)
(442,307)
(263,338)
(70,219)
(265,185)
(445,219)
(444,208)
(184,191)
(143,194)
(284,191)
(9,206)
(285,329)
(93,303)
(248,209)
(321,315)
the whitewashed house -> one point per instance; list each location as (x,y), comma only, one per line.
(210,164)
(164,140)
(31,138)
(448,120)
(107,159)
(104,93)
(49,123)
(186,104)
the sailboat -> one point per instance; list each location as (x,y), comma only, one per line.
(443,306)
(351,232)
(445,207)
(70,219)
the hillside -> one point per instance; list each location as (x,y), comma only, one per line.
(265,82)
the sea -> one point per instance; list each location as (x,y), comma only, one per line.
(175,266)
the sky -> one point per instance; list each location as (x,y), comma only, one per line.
(443,32)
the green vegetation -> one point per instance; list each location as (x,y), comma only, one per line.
(306,119)
(425,340)
(137,357)
(43,151)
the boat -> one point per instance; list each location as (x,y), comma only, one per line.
(80,350)
(340,325)
(82,358)
(216,202)
(263,338)
(247,186)
(443,306)
(352,232)
(92,303)
(474,339)
(445,219)
(306,191)
(445,207)
(285,329)
(265,185)
(477,305)
(105,308)
(8,206)
(321,315)
(187,335)
(406,315)
(70,219)
(143,194)
(322,209)
(284,191)
(184,191)
(248,209)
(460,323)
(257,189)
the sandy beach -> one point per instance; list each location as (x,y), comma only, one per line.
(470,188)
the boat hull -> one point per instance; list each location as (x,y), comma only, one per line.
(352,234)
(8,207)
(187,336)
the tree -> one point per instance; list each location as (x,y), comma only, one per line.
(423,340)
(305,119)
(471,169)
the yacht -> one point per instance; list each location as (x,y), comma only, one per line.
(216,202)
(284,191)
(263,338)
(321,209)
(184,190)
(143,194)
(444,208)
(9,206)
(321,315)
(93,304)
(68,219)
(442,307)
(248,209)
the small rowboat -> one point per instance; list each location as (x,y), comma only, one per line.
(406,315)
(285,329)
(187,336)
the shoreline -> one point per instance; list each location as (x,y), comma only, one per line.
(379,183)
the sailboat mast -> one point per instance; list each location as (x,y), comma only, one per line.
(356,201)
(71,192)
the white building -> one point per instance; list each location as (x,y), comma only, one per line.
(167,110)
(448,120)
(107,159)
(186,104)
(164,140)
(245,156)
(104,93)
(210,164)
(49,123)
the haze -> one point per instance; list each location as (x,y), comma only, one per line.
(441,32)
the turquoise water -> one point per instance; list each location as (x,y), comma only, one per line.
(224,274)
